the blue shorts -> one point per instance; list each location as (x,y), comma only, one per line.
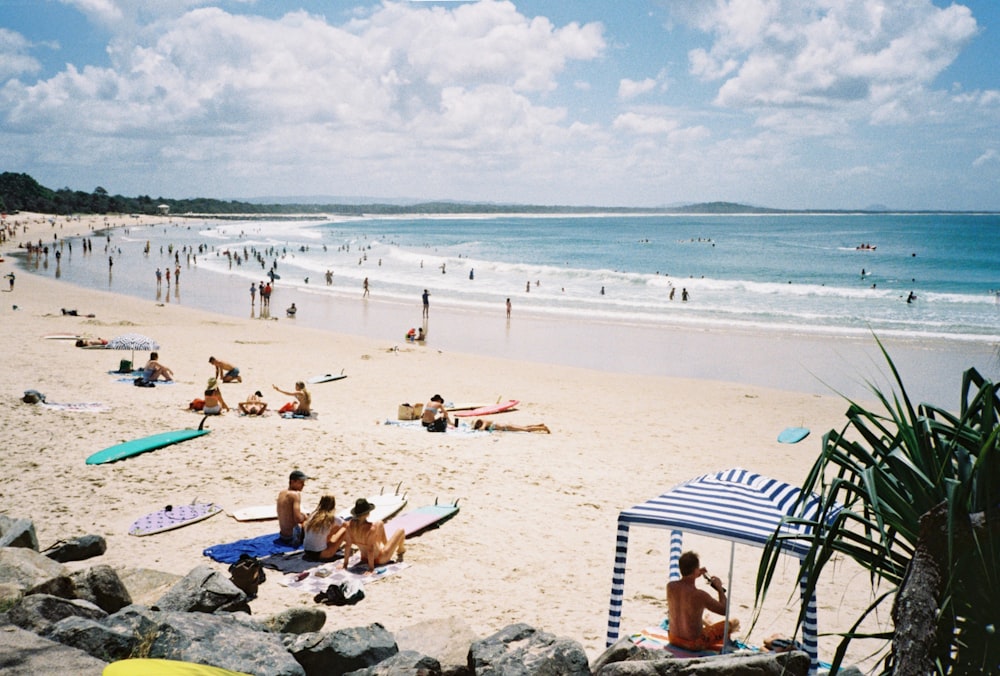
(232,373)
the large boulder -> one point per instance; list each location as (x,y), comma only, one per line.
(77,549)
(520,649)
(446,639)
(296,621)
(22,653)
(739,664)
(203,590)
(230,641)
(27,568)
(38,612)
(17,533)
(405,663)
(146,585)
(341,651)
(624,651)
(101,586)
(94,638)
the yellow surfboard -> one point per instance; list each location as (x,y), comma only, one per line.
(151,667)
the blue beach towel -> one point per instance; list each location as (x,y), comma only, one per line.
(263,545)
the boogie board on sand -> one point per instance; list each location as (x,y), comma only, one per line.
(326,378)
(386,506)
(488,410)
(256,513)
(157,667)
(793,435)
(418,520)
(151,443)
(173,516)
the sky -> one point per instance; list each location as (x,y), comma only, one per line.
(826,104)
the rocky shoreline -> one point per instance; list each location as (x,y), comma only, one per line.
(79,621)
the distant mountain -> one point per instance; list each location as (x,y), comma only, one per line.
(332,199)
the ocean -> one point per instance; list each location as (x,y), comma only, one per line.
(913,278)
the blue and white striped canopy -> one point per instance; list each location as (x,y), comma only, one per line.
(735,505)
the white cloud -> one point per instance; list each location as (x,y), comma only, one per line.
(14,58)
(644,124)
(628,89)
(989,156)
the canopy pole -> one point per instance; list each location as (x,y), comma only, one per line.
(725,627)
(676,545)
(617,583)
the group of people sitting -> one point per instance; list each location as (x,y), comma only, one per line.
(323,535)
(435,418)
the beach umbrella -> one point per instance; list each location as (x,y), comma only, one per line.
(736,505)
(132,342)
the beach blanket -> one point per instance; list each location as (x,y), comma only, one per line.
(130,380)
(259,547)
(93,407)
(288,414)
(292,562)
(317,579)
(462,430)
(657,637)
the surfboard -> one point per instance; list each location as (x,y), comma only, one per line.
(793,435)
(326,378)
(150,443)
(488,410)
(173,516)
(256,513)
(418,520)
(62,336)
(157,667)
(386,506)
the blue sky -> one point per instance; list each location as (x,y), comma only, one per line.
(826,104)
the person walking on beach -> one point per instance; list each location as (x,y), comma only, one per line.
(686,605)
(253,295)
(159,277)
(10,278)
(225,371)
(427,303)
(684,294)
(508,308)
(364,285)
(289,508)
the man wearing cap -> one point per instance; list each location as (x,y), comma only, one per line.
(290,516)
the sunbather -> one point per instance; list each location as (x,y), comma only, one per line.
(370,539)
(254,405)
(324,532)
(434,411)
(303,400)
(90,342)
(288,506)
(490,426)
(214,403)
(154,370)
(686,605)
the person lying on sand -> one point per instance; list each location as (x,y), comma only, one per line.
(369,538)
(254,405)
(90,342)
(154,370)
(74,313)
(303,400)
(490,426)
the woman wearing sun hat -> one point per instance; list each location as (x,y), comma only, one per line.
(370,539)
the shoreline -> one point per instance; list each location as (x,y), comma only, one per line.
(535,537)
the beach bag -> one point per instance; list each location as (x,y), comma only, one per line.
(345,593)
(33,397)
(124,366)
(142,382)
(197,404)
(287,408)
(247,574)
(408,412)
(439,425)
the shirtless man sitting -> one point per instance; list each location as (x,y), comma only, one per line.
(686,605)
(154,370)
(376,550)
(289,507)
(225,372)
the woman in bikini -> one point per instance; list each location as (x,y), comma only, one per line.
(254,405)
(324,532)
(490,426)
(370,539)
(214,403)
(303,399)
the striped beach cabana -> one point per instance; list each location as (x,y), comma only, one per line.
(736,505)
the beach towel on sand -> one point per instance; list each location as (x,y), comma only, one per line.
(259,547)
(462,430)
(657,638)
(323,575)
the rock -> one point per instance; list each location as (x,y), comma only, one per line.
(39,612)
(447,639)
(10,594)
(26,567)
(754,664)
(296,621)
(203,590)
(405,663)
(60,585)
(17,533)
(521,649)
(77,549)
(101,586)
(94,638)
(22,653)
(624,651)
(224,640)
(145,585)
(343,650)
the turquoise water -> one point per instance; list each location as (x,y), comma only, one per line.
(800,273)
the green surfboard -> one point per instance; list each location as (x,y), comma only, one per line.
(150,443)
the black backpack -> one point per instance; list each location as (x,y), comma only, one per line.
(247,574)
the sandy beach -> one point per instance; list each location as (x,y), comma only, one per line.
(534,540)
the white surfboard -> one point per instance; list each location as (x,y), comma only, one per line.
(256,513)
(386,506)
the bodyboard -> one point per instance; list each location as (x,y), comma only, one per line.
(173,516)
(157,667)
(137,446)
(793,435)
(488,410)
(326,378)
(256,513)
(418,520)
